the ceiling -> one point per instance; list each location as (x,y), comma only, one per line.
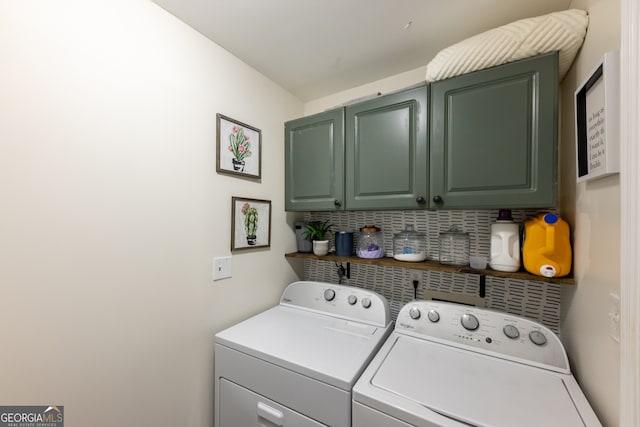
(314,48)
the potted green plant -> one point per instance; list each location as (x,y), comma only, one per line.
(250,223)
(240,147)
(317,232)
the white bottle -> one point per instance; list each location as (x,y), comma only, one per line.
(505,243)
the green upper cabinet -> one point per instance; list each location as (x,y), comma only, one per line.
(494,137)
(376,158)
(386,152)
(314,162)
(482,140)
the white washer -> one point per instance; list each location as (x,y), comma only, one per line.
(296,363)
(453,365)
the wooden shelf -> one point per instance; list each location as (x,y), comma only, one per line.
(433,265)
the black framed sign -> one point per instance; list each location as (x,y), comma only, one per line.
(598,120)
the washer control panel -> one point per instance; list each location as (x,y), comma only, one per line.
(485,331)
(342,301)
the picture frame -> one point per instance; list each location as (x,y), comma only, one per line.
(238,148)
(250,223)
(597,120)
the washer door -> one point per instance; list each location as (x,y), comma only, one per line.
(476,389)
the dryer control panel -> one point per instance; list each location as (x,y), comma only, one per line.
(347,302)
(485,331)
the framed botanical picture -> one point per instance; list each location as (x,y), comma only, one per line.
(238,148)
(250,223)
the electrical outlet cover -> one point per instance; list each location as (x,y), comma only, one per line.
(614,317)
(221,268)
(415,275)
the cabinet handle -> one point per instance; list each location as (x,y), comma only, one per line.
(420,200)
(437,199)
(337,202)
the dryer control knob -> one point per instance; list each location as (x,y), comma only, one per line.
(433,315)
(537,338)
(352,299)
(414,312)
(469,322)
(329,294)
(366,302)
(511,331)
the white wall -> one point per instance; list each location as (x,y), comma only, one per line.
(593,209)
(111,210)
(384,86)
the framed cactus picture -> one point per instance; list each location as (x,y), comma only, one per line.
(238,148)
(250,223)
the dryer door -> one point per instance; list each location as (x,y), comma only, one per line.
(242,407)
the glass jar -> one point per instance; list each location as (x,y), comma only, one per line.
(454,247)
(370,243)
(409,245)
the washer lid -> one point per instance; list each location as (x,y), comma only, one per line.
(322,347)
(475,389)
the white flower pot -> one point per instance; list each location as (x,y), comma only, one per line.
(320,247)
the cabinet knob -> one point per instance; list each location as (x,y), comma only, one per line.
(420,200)
(337,202)
(437,199)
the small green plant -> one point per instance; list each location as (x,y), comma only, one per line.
(317,230)
(250,220)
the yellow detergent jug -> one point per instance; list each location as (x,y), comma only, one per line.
(546,250)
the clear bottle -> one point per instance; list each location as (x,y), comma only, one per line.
(409,245)
(454,247)
(370,243)
(505,243)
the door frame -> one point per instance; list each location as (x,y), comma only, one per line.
(630,208)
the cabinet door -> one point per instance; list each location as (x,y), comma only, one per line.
(494,137)
(314,162)
(386,152)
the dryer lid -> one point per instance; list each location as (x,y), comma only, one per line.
(325,348)
(474,388)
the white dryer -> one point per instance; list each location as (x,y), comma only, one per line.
(453,365)
(296,363)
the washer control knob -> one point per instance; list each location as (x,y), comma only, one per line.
(366,302)
(537,338)
(352,299)
(469,322)
(511,331)
(329,294)
(414,312)
(433,315)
